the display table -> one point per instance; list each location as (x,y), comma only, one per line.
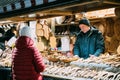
(54,77)
(57,77)
(5,74)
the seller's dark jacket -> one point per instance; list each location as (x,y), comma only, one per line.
(88,43)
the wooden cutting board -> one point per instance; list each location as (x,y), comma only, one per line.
(46,31)
(39,30)
(53,42)
(40,46)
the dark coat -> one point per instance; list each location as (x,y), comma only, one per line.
(9,34)
(88,43)
(27,62)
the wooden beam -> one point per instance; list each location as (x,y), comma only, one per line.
(115,2)
(56,12)
(31,18)
(21,19)
(47,16)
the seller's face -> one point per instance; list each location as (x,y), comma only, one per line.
(84,28)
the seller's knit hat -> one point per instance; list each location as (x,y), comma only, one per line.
(26,31)
(84,21)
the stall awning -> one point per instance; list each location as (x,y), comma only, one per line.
(23,4)
(28,6)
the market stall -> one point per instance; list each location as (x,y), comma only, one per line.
(57,37)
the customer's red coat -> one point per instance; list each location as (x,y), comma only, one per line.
(27,61)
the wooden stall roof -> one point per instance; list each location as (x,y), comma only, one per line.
(50,8)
